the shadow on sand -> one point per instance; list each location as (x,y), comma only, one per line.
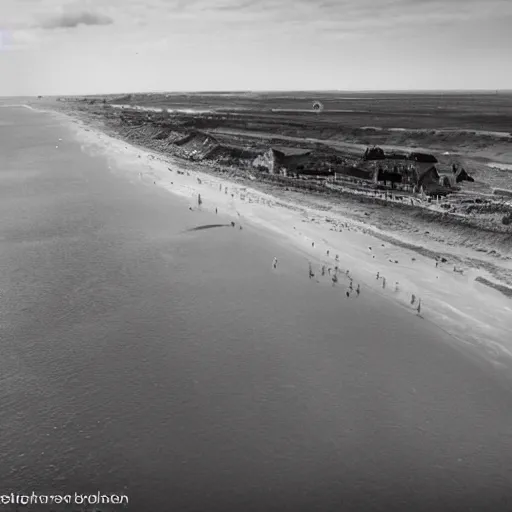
(208,226)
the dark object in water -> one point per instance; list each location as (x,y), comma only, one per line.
(232,224)
(347,293)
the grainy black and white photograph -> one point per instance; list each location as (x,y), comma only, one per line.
(255,256)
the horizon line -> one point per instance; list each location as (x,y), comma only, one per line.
(249,91)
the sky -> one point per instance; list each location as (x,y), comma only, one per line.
(52,47)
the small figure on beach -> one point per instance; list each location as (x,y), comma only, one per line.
(378,275)
(190,208)
(358,290)
(311,273)
(383,282)
(323,270)
(419,307)
(437,264)
(327,252)
(312,244)
(413,299)
(226,190)
(334,279)
(350,286)
(329,270)
(337,258)
(215,210)
(232,224)
(347,272)
(199,201)
(396,286)
(274,263)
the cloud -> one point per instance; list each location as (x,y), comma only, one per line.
(73,20)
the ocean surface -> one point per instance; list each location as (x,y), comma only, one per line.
(141,357)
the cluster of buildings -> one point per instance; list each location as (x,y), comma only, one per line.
(414,171)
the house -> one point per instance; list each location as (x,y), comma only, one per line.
(428,180)
(374,153)
(391,176)
(277,158)
(451,177)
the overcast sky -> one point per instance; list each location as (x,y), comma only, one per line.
(101,46)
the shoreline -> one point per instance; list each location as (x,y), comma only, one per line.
(472,312)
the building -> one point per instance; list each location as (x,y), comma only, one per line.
(355,172)
(450,177)
(276,159)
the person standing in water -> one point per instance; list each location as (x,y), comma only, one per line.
(358,291)
(383,282)
(199,201)
(323,270)
(274,263)
(215,210)
(348,293)
(334,279)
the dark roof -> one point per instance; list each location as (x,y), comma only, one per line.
(424,172)
(423,157)
(291,151)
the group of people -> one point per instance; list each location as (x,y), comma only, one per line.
(332,272)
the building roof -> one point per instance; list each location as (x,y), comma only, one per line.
(423,157)
(288,151)
(421,173)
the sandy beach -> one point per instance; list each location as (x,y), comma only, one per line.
(476,316)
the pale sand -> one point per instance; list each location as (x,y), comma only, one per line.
(472,313)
